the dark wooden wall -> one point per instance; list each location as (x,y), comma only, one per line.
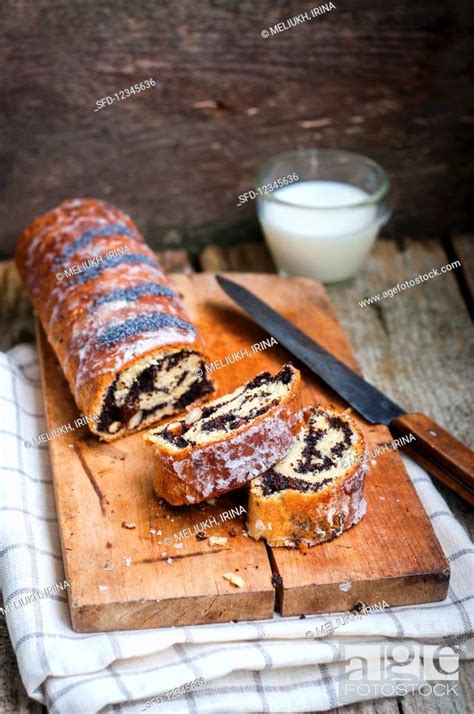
(389,79)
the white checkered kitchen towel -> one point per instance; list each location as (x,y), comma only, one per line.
(267,666)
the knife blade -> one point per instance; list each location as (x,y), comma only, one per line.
(360,394)
(444,456)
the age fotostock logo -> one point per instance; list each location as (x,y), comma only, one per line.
(394,670)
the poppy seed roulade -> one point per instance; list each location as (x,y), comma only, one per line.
(128,350)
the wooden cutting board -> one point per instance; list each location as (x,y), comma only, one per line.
(129,578)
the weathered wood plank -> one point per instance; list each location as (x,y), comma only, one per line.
(464,248)
(16,310)
(429,320)
(243,257)
(376,706)
(175,261)
(466,683)
(457,702)
(415,346)
(177,158)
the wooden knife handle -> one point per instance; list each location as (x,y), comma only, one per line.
(443,456)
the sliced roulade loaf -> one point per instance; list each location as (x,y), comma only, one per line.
(225,443)
(316,491)
(119,330)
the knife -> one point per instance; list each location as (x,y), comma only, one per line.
(444,456)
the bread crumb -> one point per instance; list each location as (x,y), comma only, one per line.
(128,524)
(217,540)
(169,560)
(359,606)
(234,579)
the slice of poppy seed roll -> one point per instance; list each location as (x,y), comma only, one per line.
(118,328)
(222,445)
(316,491)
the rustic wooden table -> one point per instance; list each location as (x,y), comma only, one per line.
(415,346)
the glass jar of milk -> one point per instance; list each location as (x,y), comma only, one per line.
(323,225)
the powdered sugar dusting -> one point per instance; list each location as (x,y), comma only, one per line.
(71,236)
(235,459)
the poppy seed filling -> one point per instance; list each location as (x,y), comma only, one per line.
(316,460)
(152,389)
(227,414)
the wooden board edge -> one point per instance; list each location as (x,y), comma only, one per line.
(212,609)
(413,589)
(435,592)
(41,338)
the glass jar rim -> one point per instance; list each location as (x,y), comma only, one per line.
(370,200)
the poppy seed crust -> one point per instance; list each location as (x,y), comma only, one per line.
(144,323)
(109,230)
(132,293)
(113,263)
